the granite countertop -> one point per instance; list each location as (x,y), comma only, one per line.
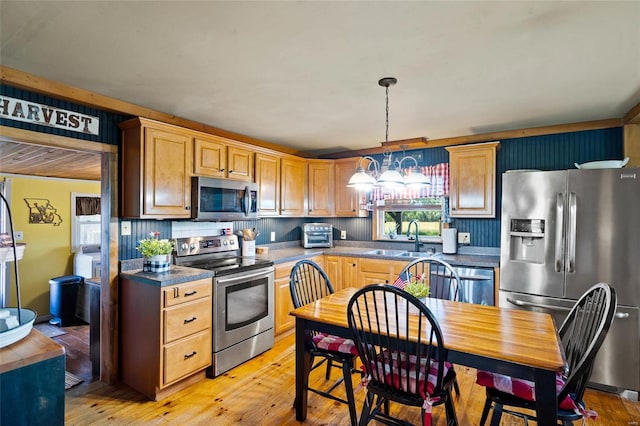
(176,275)
(297,253)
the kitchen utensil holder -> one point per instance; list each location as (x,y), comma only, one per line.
(249,248)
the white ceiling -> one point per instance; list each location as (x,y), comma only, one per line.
(304,74)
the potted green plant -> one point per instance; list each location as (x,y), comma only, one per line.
(156,253)
(418,287)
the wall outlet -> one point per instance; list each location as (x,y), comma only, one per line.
(18,236)
(343,234)
(464,238)
(273,236)
(125,227)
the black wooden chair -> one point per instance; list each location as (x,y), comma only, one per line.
(407,365)
(443,280)
(582,334)
(308,282)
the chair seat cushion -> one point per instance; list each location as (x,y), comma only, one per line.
(332,343)
(524,389)
(399,380)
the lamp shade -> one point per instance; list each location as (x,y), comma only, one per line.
(361,180)
(391,178)
(416,178)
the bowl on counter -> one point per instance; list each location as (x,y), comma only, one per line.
(606,164)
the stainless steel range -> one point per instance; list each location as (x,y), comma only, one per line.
(243,295)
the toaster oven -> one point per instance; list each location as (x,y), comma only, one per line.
(317,235)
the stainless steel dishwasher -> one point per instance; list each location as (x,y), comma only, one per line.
(476,285)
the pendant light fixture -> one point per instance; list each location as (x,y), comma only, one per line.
(386,175)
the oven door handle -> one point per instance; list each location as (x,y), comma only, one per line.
(244,277)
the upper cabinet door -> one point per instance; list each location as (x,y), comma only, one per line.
(472,171)
(210,157)
(216,157)
(240,163)
(167,173)
(347,200)
(293,187)
(268,180)
(156,171)
(321,188)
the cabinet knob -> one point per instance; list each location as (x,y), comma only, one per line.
(187,207)
(230,171)
(353,210)
(310,210)
(222,170)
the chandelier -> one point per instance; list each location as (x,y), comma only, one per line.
(387,174)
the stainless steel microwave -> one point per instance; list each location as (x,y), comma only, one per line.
(223,200)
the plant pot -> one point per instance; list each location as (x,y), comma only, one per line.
(158,263)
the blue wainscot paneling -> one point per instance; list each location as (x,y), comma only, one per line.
(548,152)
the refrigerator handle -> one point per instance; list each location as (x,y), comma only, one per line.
(571,236)
(559,264)
(522,303)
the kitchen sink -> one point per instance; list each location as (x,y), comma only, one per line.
(416,254)
(380,252)
(399,253)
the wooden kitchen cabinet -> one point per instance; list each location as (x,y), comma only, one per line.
(472,177)
(165,335)
(321,188)
(283,303)
(343,271)
(218,157)
(293,187)
(376,271)
(268,180)
(240,163)
(156,170)
(347,200)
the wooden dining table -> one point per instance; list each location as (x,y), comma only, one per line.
(517,343)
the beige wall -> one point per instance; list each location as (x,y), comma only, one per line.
(48,247)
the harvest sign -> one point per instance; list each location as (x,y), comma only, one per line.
(29,112)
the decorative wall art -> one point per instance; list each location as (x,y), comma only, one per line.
(41,211)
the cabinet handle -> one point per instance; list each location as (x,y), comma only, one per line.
(187,207)
(191,293)
(230,171)
(192,319)
(222,170)
(187,356)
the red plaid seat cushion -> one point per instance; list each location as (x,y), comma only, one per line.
(399,380)
(332,343)
(524,389)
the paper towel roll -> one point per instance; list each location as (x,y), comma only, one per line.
(449,240)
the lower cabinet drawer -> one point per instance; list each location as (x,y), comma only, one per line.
(186,356)
(186,319)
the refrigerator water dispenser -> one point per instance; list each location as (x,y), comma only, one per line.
(526,240)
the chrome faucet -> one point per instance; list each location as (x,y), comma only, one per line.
(414,222)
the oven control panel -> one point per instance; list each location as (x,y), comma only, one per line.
(202,245)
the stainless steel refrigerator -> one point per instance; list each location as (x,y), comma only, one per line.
(562,232)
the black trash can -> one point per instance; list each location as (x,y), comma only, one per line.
(63,299)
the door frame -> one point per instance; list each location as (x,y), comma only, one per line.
(109,230)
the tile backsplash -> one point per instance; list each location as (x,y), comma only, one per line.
(198,229)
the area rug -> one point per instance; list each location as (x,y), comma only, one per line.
(49,330)
(71,380)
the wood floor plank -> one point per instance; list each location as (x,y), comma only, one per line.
(261,392)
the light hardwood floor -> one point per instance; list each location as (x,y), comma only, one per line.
(261,392)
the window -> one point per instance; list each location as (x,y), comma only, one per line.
(392,220)
(85,226)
